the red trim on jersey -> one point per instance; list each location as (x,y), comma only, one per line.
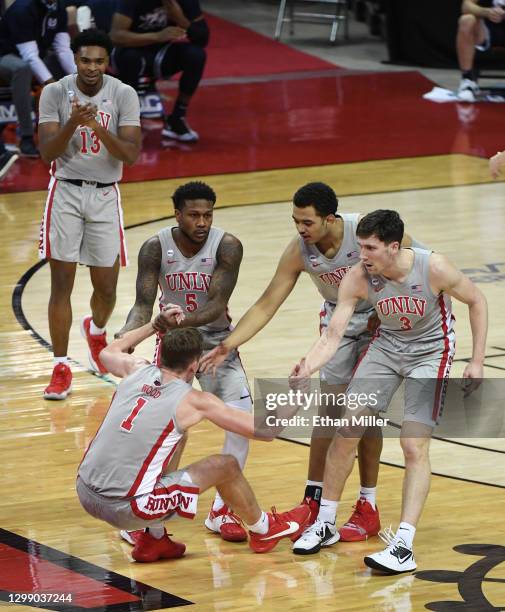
(48,220)
(52,168)
(322,312)
(149,458)
(123,261)
(441,374)
(100,427)
(365,351)
(165,492)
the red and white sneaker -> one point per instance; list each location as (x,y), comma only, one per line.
(283,525)
(131,537)
(95,345)
(61,383)
(227,524)
(148,549)
(364,523)
(304,514)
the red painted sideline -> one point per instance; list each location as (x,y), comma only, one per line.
(235,51)
(24,573)
(305,122)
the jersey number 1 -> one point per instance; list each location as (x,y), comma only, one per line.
(127,424)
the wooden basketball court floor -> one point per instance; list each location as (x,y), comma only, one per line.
(448,203)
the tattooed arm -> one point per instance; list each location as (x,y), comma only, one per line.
(224,279)
(149,262)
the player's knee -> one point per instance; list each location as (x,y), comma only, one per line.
(467,24)
(195,57)
(414,449)
(230,465)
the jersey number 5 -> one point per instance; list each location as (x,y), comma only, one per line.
(127,424)
(94,147)
(406,323)
(191,303)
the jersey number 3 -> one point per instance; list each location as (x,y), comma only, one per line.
(94,145)
(127,424)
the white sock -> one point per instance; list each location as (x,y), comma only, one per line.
(57,360)
(369,494)
(407,532)
(94,330)
(328,510)
(261,525)
(218,503)
(157,530)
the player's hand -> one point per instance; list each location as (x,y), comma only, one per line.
(373,323)
(472,378)
(171,34)
(495,14)
(82,114)
(496,164)
(213,359)
(299,379)
(169,317)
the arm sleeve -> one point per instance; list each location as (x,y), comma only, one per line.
(64,53)
(29,51)
(48,104)
(129,107)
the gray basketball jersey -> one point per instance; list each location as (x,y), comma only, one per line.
(138,436)
(185,281)
(327,274)
(409,311)
(86,157)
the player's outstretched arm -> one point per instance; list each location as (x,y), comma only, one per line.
(116,357)
(263,310)
(198,405)
(444,276)
(352,288)
(149,262)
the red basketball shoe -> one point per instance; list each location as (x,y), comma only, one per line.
(148,549)
(61,383)
(227,524)
(95,345)
(363,523)
(304,514)
(283,525)
(132,537)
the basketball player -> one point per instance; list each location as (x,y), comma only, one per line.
(325,248)
(196,266)
(409,289)
(89,125)
(127,477)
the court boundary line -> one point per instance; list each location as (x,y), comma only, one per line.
(402,467)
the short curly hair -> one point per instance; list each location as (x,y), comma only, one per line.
(91,38)
(194,190)
(319,195)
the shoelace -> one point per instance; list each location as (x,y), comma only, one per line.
(234,518)
(97,342)
(387,535)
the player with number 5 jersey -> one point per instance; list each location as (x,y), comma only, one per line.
(196,266)
(89,125)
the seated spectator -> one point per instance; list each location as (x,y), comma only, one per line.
(480,27)
(29,31)
(159,38)
(7,158)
